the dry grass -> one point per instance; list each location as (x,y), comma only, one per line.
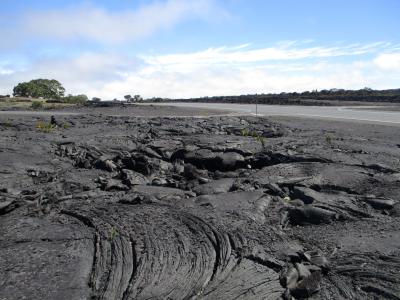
(45,127)
(26,103)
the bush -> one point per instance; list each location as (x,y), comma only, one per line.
(246,132)
(78,99)
(45,127)
(37,104)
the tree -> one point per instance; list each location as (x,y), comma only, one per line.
(95,99)
(137,98)
(128,98)
(45,88)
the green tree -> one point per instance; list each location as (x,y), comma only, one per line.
(45,88)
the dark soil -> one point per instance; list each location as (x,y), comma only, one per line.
(107,205)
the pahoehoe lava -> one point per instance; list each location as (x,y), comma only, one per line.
(119,207)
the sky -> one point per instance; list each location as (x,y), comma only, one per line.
(193,48)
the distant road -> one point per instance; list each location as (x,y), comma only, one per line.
(325,112)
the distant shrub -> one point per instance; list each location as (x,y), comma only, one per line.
(247,133)
(261,139)
(113,233)
(45,127)
(37,104)
(78,99)
(329,138)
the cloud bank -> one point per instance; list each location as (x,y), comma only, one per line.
(220,71)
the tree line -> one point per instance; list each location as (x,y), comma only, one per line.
(315,97)
(53,91)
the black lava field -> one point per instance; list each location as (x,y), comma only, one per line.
(223,207)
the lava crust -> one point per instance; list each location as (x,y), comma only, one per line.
(232,207)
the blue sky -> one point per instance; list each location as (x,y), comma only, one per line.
(188,48)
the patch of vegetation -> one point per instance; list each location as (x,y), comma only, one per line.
(329,138)
(259,138)
(45,127)
(314,97)
(65,125)
(49,89)
(245,132)
(78,99)
(136,98)
(37,104)
(113,233)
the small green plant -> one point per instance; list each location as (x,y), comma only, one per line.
(37,104)
(45,127)
(329,138)
(113,233)
(65,125)
(261,139)
(245,132)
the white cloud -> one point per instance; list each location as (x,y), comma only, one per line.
(235,55)
(92,23)
(218,71)
(88,71)
(239,70)
(238,79)
(4,71)
(388,61)
(235,81)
